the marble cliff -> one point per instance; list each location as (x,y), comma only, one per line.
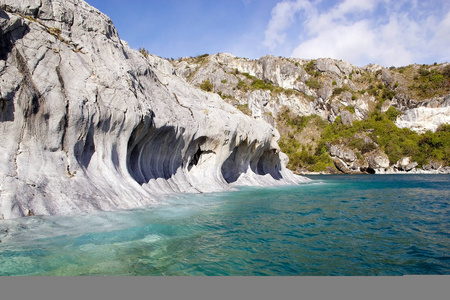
(87,124)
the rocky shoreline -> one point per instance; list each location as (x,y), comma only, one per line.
(375,162)
(443,171)
(389,171)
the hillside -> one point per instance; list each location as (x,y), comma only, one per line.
(383,119)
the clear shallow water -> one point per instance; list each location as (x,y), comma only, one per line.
(337,225)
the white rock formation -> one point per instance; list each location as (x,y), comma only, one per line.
(377,160)
(89,124)
(421,119)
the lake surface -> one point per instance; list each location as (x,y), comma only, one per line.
(357,225)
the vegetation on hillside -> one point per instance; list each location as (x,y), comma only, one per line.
(307,139)
(207,86)
(144,52)
(310,156)
(427,81)
(379,128)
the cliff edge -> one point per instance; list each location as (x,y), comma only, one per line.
(89,124)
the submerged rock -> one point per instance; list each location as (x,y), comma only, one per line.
(89,124)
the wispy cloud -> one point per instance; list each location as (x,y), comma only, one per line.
(283,16)
(362,31)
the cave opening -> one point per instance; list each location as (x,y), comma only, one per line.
(195,158)
(154,152)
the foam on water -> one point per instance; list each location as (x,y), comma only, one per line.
(335,225)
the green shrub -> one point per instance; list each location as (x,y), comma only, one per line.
(437,79)
(248,75)
(144,52)
(242,86)
(313,83)
(338,91)
(310,67)
(350,108)
(424,72)
(387,94)
(294,121)
(207,85)
(259,84)
(446,72)
(392,113)
(429,83)
(201,58)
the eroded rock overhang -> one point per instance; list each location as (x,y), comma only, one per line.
(87,124)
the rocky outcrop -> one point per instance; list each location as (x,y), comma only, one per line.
(377,161)
(405,164)
(89,124)
(323,87)
(422,119)
(344,153)
(432,166)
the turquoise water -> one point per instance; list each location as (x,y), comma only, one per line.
(336,225)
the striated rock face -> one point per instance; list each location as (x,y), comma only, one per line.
(422,119)
(89,124)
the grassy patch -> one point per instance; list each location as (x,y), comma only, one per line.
(430,82)
(144,52)
(245,109)
(207,85)
(313,83)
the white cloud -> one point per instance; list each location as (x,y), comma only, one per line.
(282,18)
(363,31)
(352,6)
(441,42)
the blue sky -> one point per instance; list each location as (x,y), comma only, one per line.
(387,32)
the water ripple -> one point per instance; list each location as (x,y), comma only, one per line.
(346,225)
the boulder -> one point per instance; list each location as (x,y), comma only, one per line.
(341,166)
(444,170)
(342,152)
(346,118)
(411,166)
(433,165)
(403,163)
(377,160)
